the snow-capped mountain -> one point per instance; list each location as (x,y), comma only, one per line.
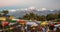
(21,12)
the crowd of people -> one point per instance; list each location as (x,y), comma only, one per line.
(33,28)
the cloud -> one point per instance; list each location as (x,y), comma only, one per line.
(12,10)
(32,8)
(29,8)
(43,9)
(51,10)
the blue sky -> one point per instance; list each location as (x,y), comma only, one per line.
(18,4)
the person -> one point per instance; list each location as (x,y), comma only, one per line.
(43,29)
(33,29)
(39,28)
(28,28)
(51,28)
(58,29)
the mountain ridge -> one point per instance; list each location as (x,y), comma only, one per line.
(21,13)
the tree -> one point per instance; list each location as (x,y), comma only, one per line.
(30,16)
(5,11)
(43,18)
(0,15)
(37,18)
(52,16)
(26,16)
(59,14)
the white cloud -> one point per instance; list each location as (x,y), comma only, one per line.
(29,9)
(12,10)
(21,9)
(32,8)
(24,9)
(38,10)
(43,9)
(51,10)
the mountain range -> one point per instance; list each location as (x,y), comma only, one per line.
(21,12)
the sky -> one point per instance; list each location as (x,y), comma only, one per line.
(20,4)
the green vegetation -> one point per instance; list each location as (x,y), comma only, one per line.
(5,11)
(41,18)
